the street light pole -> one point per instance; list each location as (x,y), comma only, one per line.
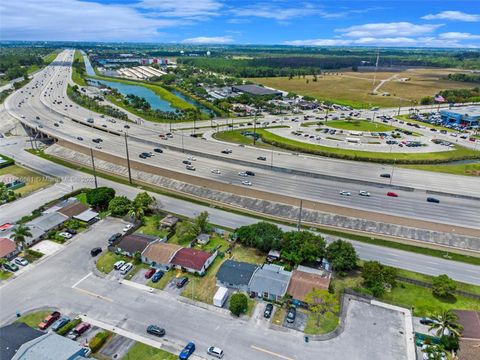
(183,149)
(255,129)
(93,168)
(393,169)
(271,160)
(299,224)
(128,160)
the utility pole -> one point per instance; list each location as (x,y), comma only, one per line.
(183,148)
(128,160)
(255,129)
(300,216)
(393,169)
(170,122)
(93,168)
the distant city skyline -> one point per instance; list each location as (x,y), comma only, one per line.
(448,24)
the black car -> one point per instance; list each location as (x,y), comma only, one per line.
(292,314)
(114,237)
(158,150)
(433,200)
(426,321)
(142,156)
(263,158)
(155,330)
(126,126)
(71,231)
(181,282)
(95,251)
(186,162)
(388,176)
(268,311)
(250,173)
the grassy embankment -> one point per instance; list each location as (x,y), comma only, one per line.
(78,72)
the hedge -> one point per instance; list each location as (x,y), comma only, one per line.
(66,329)
(98,340)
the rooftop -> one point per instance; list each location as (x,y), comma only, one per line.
(256,90)
(191,258)
(235,272)
(473,110)
(15,335)
(47,222)
(161,253)
(135,242)
(272,279)
(302,282)
(7,246)
(73,209)
(86,215)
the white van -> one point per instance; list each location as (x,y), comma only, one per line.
(126,268)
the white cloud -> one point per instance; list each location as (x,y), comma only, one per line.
(458,36)
(453,15)
(394,29)
(269,11)
(78,21)
(198,9)
(319,42)
(209,40)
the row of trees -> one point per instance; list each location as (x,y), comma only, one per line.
(297,247)
(455,96)
(6,195)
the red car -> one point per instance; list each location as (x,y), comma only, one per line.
(49,320)
(150,273)
(392,194)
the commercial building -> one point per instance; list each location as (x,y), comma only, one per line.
(255,90)
(463,116)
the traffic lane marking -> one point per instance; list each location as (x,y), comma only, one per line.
(93,294)
(82,279)
(271,353)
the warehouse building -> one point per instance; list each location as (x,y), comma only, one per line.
(463,116)
(255,90)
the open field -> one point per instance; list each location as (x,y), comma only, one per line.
(76,76)
(33,181)
(354,88)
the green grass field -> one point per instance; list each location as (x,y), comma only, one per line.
(151,226)
(107,259)
(140,351)
(359,125)
(33,180)
(459,169)
(328,323)
(76,76)
(34,318)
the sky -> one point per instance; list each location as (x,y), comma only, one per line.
(405,23)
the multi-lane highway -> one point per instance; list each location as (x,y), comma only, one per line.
(45,105)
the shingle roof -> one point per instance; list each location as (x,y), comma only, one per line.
(135,242)
(191,258)
(47,222)
(73,209)
(235,272)
(272,279)
(470,321)
(302,283)
(160,253)
(15,335)
(7,246)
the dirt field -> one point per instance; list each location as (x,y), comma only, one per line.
(355,88)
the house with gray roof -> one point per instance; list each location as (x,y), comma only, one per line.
(48,222)
(235,274)
(13,336)
(51,346)
(270,282)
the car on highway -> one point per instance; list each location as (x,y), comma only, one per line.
(21,261)
(386,175)
(187,351)
(190,167)
(149,273)
(127,227)
(192,158)
(215,352)
(79,138)
(227,151)
(345,193)
(95,251)
(291,315)
(250,173)
(186,162)
(433,200)
(363,193)
(118,265)
(126,268)
(78,330)
(98,147)
(155,330)
(242,173)
(392,194)
(247,183)
(157,276)
(56,124)
(158,150)
(49,320)
(57,325)
(126,126)
(181,282)
(263,158)
(215,171)
(268,311)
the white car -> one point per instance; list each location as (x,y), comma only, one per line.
(246,182)
(363,193)
(215,171)
(21,261)
(190,167)
(126,268)
(65,235)
(118,265)
(244,174)
(345,193)
(215,352)
(127,227)
(192,158)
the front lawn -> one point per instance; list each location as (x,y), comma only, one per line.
(33,319)
(106,261)
(4,275)
(166,278)
(203,288)
(279,316)
(328,323)
(140,351)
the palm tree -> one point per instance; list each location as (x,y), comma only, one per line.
(19,235)
(446,323)
(136,212)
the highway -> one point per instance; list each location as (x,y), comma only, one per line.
(49,86)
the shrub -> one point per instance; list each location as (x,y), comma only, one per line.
(64,330)
(238,304)
(98,340)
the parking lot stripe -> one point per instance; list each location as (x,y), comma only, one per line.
(93,294)
(79,281)
(271,353)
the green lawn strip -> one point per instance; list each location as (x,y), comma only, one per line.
(361,238)
(406,118)
(106,261)
(31,255)
(47,59)
(250,306)
(140,351)
(359,125)
(34,318)
(235,136)
(166,95)
(459,169)
(77,77)
(4,275)
(328,323)
(278,316)
(166,278)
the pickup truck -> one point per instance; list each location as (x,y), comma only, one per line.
(49,320)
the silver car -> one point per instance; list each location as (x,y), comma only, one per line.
(215,352)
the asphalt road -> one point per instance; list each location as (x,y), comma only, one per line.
(50,85)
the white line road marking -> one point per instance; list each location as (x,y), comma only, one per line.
(271,353)
(82,279)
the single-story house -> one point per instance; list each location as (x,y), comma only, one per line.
(203,239)
(305,279)
(88,216)
(130,244)
(269,282)
(37,234)
(13,336)
(51,346)
(48,222)
(11,182)
(8,248)
(60,205)
(169,221)
(159,255)
(235,274)
(193,260)
(273,255)
(73,209)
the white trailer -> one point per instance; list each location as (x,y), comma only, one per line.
(220,296)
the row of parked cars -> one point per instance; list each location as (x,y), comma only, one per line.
(56,321)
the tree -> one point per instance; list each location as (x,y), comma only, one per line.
(137,257)
(19,234)
(263,236)
(321,302)
(100,197)
(376,276)
(144,201)
(186,231)
(201,224)
(136,212)
(434,352)
(443,286)
(119,206)
(238,304)
(300,247)
(446,323)
(342,255)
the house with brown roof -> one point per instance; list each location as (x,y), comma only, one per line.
(130,244)
(8,248)
(159,255)
(193,260)
(305,279)
(73,209)
(169,221)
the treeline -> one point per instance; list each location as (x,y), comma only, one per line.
(455,96)
(14,62)
(474,78)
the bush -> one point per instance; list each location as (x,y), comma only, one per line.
(98,340)
(100,197)
(119,206)
(443,286)
(64,330)
(238,304)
